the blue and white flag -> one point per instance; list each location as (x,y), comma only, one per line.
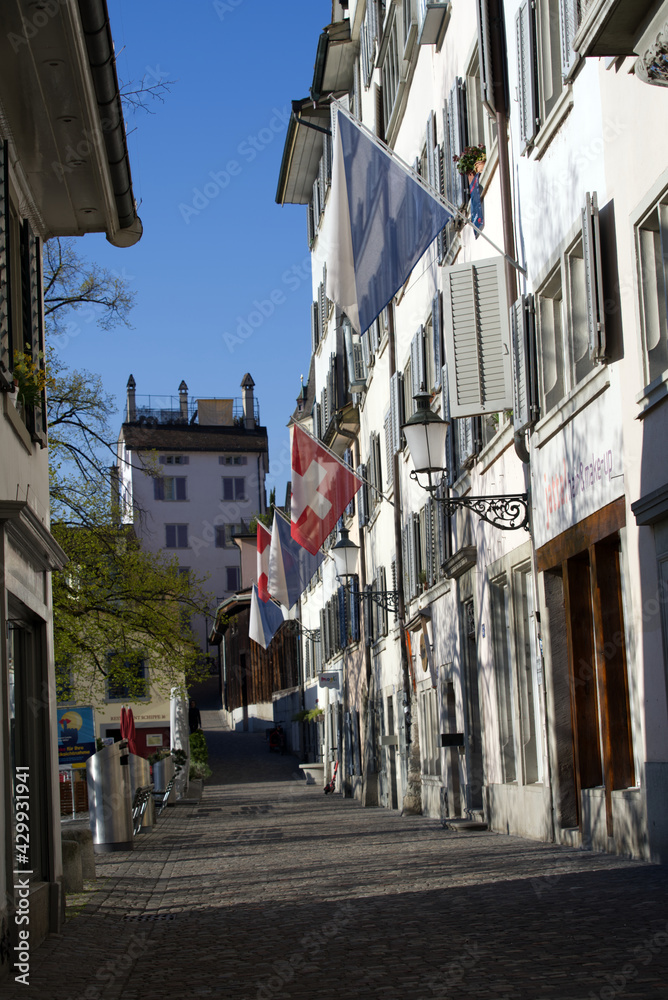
(290,565)
(265,620)
(383,221)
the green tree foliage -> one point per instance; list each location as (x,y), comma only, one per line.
(115,607)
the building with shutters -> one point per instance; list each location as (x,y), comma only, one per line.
(522,680)
(191,472)
(64,171)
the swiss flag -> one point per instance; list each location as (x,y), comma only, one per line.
(263,546)
(322,488)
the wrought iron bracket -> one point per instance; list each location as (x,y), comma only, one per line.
(386,599)
(294,627)
(508,512)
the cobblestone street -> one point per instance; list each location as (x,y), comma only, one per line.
(270,889)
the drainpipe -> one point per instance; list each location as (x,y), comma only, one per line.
(413,794)
(497,39)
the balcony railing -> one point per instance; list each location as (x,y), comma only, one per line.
(167,410)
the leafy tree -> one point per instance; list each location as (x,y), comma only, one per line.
(114,605)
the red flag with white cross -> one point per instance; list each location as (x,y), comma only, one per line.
(263,546)
(322,488)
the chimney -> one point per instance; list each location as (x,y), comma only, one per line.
(247,385)
(183,401)
(131,414)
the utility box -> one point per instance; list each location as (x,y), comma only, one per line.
(110,798)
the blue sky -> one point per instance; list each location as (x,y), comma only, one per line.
(221,273)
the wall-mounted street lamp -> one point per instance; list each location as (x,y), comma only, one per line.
(425,434)
(344,553)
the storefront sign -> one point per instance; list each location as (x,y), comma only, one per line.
(579,469)
(328,680)
(76,735)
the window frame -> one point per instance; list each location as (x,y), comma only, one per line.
(178,536)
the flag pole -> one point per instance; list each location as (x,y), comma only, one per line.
(414,175)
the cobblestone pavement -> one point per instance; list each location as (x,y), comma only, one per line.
(269,889)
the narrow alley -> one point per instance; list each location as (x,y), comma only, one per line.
(267,888)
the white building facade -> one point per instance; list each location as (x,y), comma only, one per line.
(521,681)
(191,473)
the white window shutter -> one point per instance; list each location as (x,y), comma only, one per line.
(389,453)
(397,409)
(477,337)
(432,177)
(450,462)
(354,357)
(591,247)
(316,203)
(6,355)
(525,30)
(437,336)
(363,497)
(485,57)
(568,18)
(456,139)
(465,442)
(315,331)
(518,330)
(417,361)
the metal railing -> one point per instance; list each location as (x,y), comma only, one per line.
(170,409)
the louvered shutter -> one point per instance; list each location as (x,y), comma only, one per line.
(458,190)
(406,561)
(465,441)
(382,580)
(477,337)
(380,116)
(417,362)
(31,289)
(322,303)
(450,462)
(316,203)
(366,349)
(310,225)
(568,23)
(6,344)
(437,336)
(158,488)
(412,556)
(373,476)
(354,612)
(525,29)
(591,247)
(315,312)
(432,176)
(394,583)
(396,409)
(363,497)
(379,464)
(343,624)
(442,187)
(429,541)
(315,414)
(389,460)
(327,159)
(485,57)
(525,401)
(323,635)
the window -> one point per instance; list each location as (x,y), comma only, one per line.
(481,128)
(652,243)
(234,488)
(170,488)
(391,72)
(544,34)
(430,735)
(233,577)
(224,535)
(233,459)
(174,460)
(569,313)
(128,680)
(176,536)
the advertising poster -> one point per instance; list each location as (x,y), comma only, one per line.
(76,735)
